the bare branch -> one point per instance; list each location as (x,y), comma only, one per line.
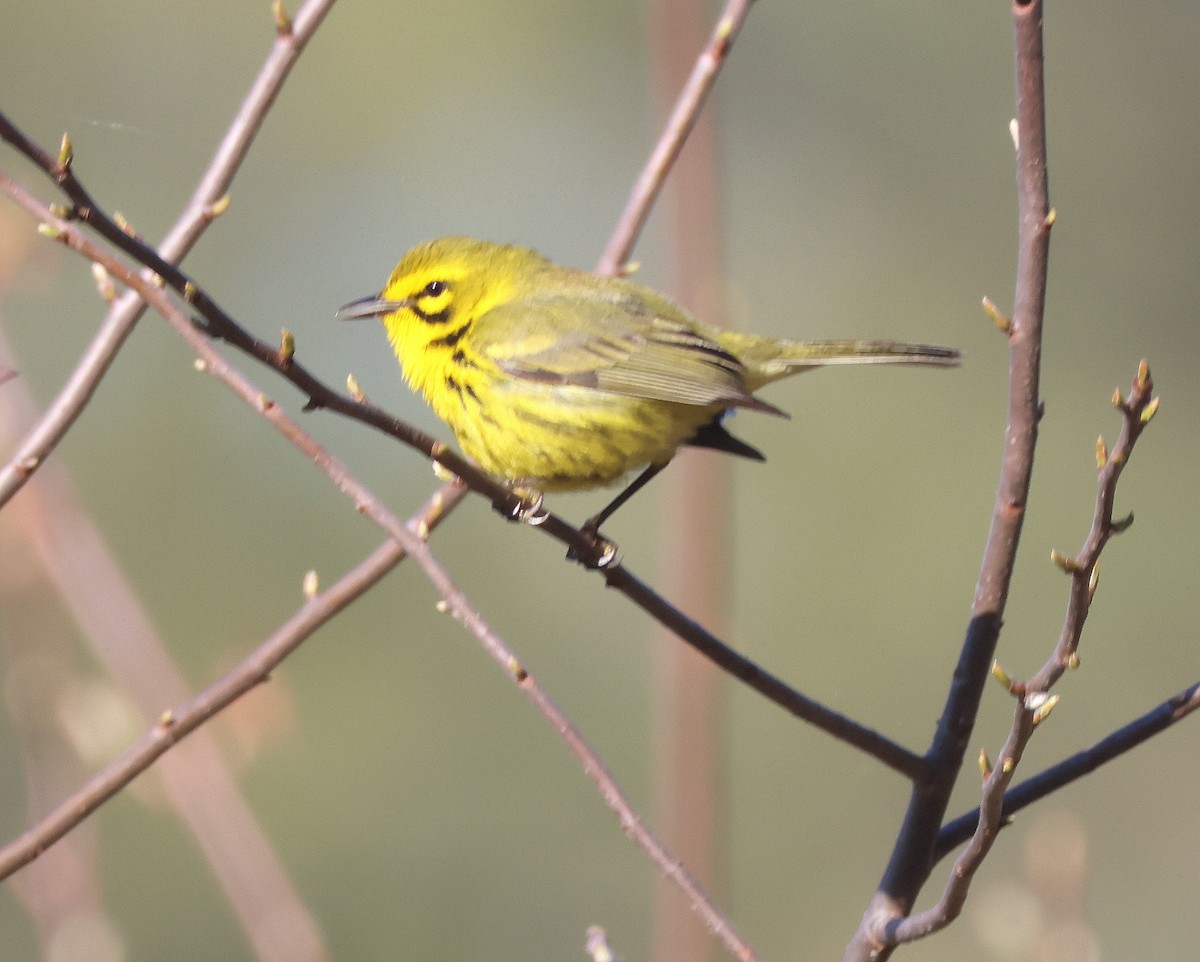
(1033,704)
(670,143)
(62,551)
(37,444)
(1136,409)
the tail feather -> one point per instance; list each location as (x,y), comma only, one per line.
(775,359)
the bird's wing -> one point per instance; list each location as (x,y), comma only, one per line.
(611,342)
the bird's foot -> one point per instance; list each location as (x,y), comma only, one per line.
(599,552)
(528,510)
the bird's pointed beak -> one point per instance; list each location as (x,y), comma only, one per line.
(372,306)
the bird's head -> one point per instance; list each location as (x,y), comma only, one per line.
(445,283)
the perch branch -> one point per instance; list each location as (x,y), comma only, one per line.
(217,324)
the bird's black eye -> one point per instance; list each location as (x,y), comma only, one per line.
(433,304)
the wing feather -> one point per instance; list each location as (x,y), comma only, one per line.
(618,344)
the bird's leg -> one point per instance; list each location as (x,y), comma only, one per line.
(591,527)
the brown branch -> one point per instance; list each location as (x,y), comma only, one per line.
(63,549)
(670,143)
(688,719)
(44,436)
(911,859)
(184,719)
(218,324)
(413,540)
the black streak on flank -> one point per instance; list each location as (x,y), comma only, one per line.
(453,385)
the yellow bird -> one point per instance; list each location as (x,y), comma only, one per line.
(552,378)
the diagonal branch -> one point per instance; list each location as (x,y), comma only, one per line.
(200,211)
(670,143)
(63,552)
(1137,409)
(1032,702)
(181,721)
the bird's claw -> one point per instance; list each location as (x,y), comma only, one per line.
(528,510)
(600,552)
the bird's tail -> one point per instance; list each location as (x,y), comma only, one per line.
(768,359)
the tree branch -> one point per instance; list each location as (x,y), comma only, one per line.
(179,722)
(62,552)
(670,143)
(1032,701)
(42,439)
(911,859)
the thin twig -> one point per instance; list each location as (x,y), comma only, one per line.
(63,411)
(671,866)
(1137,409)
(670,143)
(220,325)
(413,541)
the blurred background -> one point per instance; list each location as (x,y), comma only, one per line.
(419,806)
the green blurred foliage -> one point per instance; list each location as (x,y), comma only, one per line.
(423,809)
